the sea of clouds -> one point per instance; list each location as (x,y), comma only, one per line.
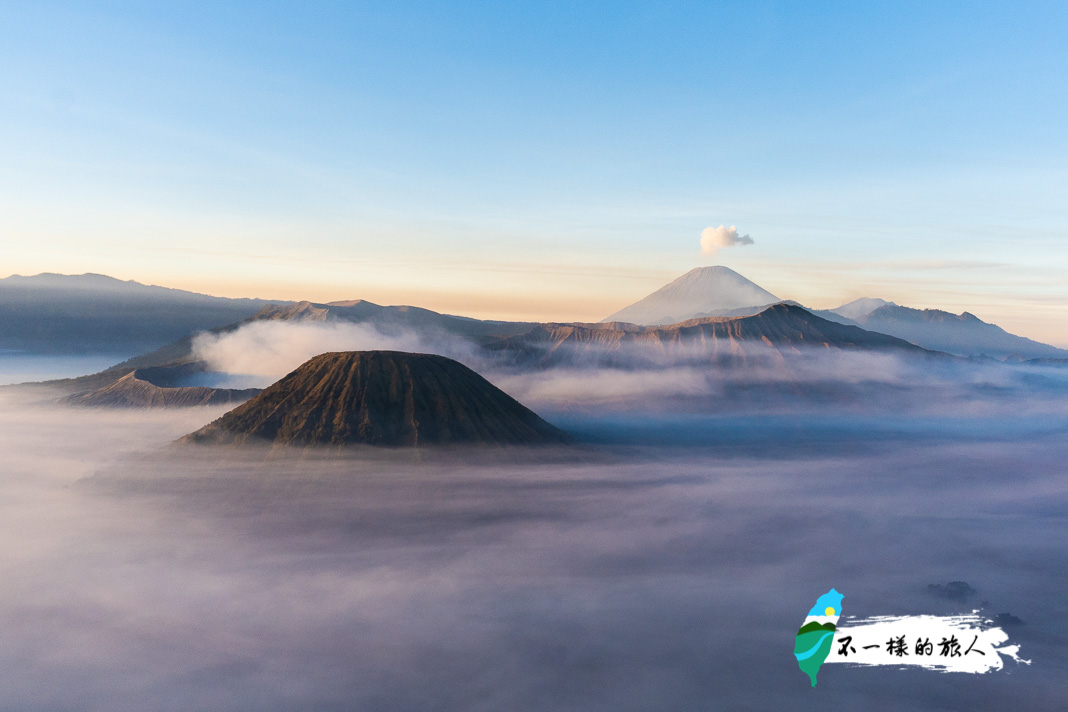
(665,563)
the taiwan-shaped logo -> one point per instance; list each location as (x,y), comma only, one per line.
(816,636)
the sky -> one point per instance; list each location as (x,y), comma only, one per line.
(543,160)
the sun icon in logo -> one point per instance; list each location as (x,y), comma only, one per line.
(829,611)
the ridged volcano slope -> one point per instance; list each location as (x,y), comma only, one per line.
(384,398)
(780,330)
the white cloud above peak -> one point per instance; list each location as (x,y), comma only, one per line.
(713,239)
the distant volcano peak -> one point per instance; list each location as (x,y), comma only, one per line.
(708,271)
(703,291)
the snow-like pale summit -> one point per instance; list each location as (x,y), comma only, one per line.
(705,291)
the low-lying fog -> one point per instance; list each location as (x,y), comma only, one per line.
(633,574)
(649,378)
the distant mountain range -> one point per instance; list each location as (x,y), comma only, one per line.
(718,291)
(179,358)
(736,337)
(92,313)
(961,334)
(958,334)
(774,336)
(384,398)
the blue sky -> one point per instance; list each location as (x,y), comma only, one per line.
(543,159)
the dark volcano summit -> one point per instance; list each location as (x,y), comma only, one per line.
(384,398)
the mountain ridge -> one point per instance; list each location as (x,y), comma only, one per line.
(135,391)
(782,329)
(858,309)
(56,313)
(961,334)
